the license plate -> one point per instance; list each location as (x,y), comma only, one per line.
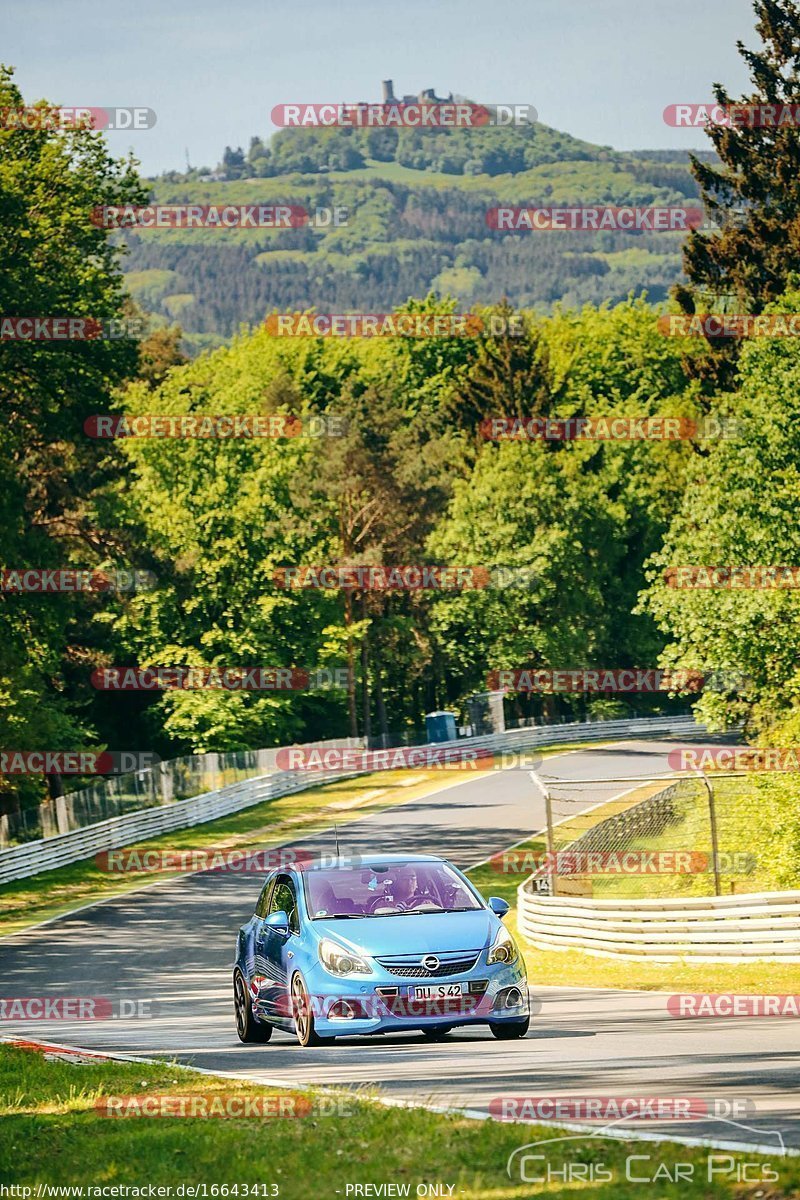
(437,991)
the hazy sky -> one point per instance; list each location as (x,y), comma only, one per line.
(603,70)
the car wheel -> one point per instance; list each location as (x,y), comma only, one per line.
(510,1029)
(247,1027)
(304,1017)
(436,1033)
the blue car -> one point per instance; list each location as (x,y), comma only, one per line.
(378,944)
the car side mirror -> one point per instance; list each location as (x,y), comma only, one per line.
(498,906)
(279,921)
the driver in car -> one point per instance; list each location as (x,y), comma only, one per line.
(405,887)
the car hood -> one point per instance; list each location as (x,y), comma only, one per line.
(424,933)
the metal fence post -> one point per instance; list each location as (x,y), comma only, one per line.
(548,809)
(548,805)
(712,817)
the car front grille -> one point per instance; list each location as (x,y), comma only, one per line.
(410,966)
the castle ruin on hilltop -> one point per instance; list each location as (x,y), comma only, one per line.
(428,96)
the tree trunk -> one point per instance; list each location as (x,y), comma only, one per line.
(365,699)
(55,785)
(351,667)
(380,704)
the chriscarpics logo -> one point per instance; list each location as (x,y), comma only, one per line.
(591,1158)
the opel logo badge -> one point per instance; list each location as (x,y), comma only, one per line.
(430,962)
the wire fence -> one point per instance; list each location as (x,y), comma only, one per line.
(162,784)
(697,835)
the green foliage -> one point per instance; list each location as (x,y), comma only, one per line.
(447,151)
(740,509)
(410,481)
(54,262)
(580,515)
(754,195)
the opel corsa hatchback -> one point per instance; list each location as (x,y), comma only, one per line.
(380,944)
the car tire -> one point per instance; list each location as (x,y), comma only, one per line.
(510,1029)
(303,1016)
(247,1027)
(436,1033)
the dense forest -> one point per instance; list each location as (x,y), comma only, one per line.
(416,205)
(406,475)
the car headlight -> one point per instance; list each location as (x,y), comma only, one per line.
(339,961)
(503,949)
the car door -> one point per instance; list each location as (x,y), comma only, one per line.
(274,949)
(249,934)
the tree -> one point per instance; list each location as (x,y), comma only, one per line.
(220,515)
(740,510)
(524,507)
(233,163)
(580,516)
(159,352)
(754,196)
(508,376)
(256,149)
(55,262)
(385,498)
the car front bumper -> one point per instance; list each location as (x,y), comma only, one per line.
(384,1002)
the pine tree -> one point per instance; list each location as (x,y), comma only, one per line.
(754,197)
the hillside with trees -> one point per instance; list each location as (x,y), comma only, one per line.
(596,525)
(416,203)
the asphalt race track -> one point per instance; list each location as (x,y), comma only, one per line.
(172,945)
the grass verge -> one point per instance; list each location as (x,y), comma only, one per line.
(53,1133)
(758,833)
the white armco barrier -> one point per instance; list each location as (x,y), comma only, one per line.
(703,928)
(30,858)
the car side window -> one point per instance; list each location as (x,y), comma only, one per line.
(284,900)
(263,899)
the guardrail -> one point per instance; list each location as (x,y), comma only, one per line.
(151,787)
(31,858)
(705,929)
(739,928)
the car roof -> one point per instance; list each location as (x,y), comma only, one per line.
(368,860)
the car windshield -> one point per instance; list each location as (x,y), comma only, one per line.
(386,890)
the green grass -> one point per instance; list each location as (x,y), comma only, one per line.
(394,172)
(625,258)
(51,1132)
(457,281)
(176,303)
(155,280)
